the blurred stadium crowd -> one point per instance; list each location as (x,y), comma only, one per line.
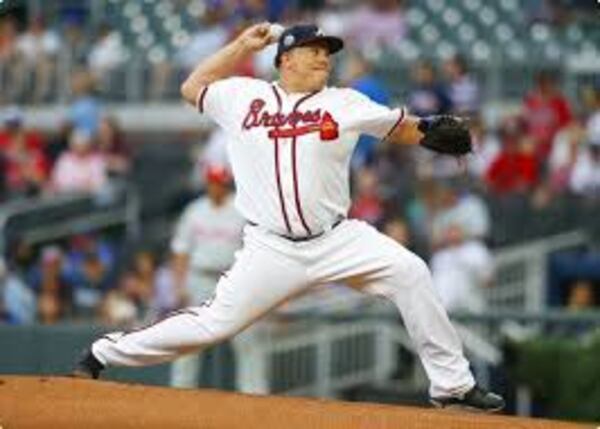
(535,170)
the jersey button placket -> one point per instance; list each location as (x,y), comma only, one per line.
(286,171)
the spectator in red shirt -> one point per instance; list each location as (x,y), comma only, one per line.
(24,164)
(13,128)
(515,168)
(546,110)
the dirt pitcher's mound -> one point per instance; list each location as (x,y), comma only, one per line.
(33,402)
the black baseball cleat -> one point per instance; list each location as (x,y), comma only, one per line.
(476,399)
(88,366)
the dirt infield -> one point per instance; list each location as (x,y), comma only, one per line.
(33,402)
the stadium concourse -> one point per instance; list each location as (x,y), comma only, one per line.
(71,403)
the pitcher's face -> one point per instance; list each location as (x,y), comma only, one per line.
(311,63)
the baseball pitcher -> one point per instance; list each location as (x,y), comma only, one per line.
(290,143)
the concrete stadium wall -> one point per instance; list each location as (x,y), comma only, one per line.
(53,350)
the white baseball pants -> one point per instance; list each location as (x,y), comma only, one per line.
(186,370)
(270,269)
(250,374)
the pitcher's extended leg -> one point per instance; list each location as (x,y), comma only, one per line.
(186,370)
(379,266)
(408,286)
(259,280)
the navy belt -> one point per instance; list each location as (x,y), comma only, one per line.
(306,237)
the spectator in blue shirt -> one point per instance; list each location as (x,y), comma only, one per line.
(85,111)
(427,95)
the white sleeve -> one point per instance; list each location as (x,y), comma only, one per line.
(224,100)
(182,241)
(368,117)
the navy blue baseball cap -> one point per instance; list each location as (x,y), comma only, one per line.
(302,34)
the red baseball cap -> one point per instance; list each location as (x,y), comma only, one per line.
(217,174)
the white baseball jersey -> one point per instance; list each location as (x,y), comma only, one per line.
(210,235)
(290,153)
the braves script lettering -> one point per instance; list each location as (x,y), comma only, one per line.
(258,117)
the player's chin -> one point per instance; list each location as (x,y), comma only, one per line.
(320,78)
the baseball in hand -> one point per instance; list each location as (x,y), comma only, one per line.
(275,30)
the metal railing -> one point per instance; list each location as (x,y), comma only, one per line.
(335,351)
(520,281)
